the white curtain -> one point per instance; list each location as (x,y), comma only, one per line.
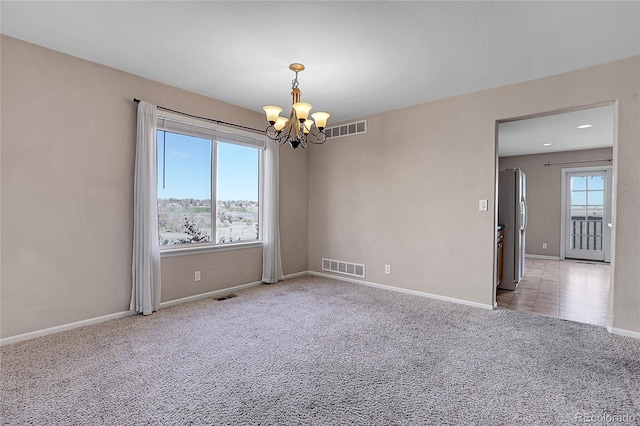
(271,260)
(145,294)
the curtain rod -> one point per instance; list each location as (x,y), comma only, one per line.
(136,100)
(575,162)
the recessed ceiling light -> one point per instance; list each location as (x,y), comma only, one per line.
(584,126)
(547,144)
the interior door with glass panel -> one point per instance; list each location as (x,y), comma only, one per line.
(587,215)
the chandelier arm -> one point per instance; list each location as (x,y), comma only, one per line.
(279,138)
(271,134)
(320,140)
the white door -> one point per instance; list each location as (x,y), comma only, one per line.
(587,216)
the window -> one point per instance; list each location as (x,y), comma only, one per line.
(206,176)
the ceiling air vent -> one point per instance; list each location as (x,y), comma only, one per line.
(346,268)
(346,129)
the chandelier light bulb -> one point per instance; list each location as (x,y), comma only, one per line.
(321,119)
(307,126)
(302,110)
(280,123)
(272,112)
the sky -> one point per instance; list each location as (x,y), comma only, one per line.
(587,190)
(187,169)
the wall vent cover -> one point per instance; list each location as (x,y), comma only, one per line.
(226,296)
(346,268)
(348,129)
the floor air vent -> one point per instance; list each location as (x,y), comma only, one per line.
(348,129)
(226,296)
(346,268)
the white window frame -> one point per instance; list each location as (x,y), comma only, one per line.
(206,129)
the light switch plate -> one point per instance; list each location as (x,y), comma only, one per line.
(483,205)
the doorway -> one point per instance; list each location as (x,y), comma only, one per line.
(568,167)
(586,213)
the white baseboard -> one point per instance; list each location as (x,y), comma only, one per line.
(623,332)
(403,290)
(70,326)
(295,275)
(209,294)
(541,256)
(77,324)
(64,327)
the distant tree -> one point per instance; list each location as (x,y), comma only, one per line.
(194,235)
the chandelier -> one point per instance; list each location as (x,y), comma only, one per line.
(298,129)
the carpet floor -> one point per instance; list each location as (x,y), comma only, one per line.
(312,350)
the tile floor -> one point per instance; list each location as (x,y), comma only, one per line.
(572,290)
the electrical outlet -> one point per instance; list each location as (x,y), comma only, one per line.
(196,276)
(387,269)
(483,205)
(544,245)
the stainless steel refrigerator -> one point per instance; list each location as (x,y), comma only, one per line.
(512,213)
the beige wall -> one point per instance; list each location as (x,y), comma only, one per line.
(223,270)
(544,193)
(294,208)
(68,144)
(406,192)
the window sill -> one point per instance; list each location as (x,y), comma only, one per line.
(187,251)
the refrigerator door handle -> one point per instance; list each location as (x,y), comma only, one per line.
(523,215)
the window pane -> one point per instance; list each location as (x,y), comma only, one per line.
(184,189)
(578,182)
(598,243)
(578,212)
(237,193)
(578,198)
(596,197)
(595,212)
(578,242)
(596,182)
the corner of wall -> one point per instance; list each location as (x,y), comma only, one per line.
(294,208)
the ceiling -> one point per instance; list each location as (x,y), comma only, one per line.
(523,137)
(362,57)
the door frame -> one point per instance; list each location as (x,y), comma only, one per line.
(606,244)
(614,185)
